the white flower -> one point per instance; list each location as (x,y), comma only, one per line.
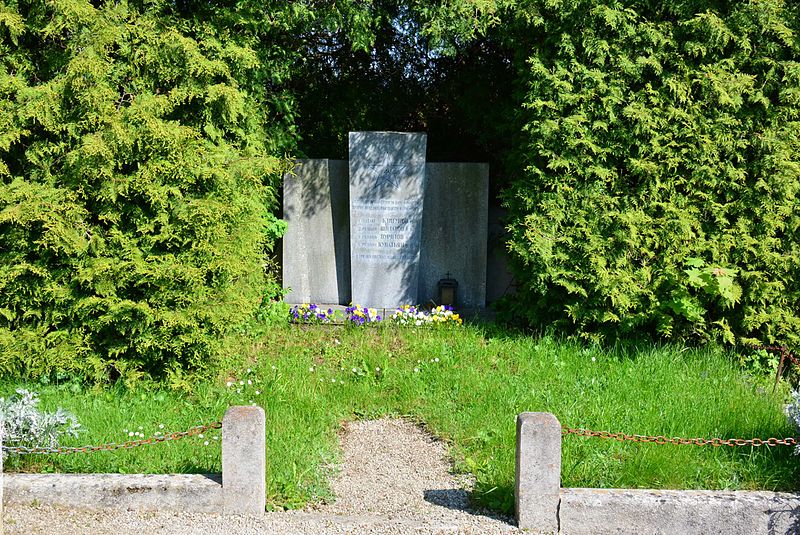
(258,392)
(241,382)
(130,434)
(594,359)
(377,369)
(201,435)
(355,370)
(311,369)
(274,367)
(249,382)
(416,370)
(230,384)
(333,380)
(161,426)
(436,359)
(249,370)
(205,443)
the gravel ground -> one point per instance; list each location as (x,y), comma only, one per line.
(394,479)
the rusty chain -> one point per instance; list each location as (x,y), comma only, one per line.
(661,439)
(716,442)
(111,446)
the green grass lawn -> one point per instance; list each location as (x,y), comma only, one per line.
(466,385)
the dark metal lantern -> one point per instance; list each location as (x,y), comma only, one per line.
(448,290)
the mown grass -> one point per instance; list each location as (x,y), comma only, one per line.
(310,379)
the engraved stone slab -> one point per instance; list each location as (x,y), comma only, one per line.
(316,246)
(387,184)
(454,226)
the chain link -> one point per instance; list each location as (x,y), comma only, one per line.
(111,446)
(661,439)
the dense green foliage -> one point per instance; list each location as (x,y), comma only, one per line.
(648,152)
(662,183)
(136,189)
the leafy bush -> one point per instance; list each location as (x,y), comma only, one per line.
(25,425)
(662,154)
(137,185)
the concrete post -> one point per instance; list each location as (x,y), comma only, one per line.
(538,472)
(244,461)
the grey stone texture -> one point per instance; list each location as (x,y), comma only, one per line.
(387,184)
(500,281)
(538,471)
(126,492)
(316,246)
(601,511)
(454,223)
(244,460)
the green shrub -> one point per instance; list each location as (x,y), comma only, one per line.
(663,167)
(137,185)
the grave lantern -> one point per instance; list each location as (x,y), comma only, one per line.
(448,288)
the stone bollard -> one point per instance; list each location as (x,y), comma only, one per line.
(244,461)
(538,472)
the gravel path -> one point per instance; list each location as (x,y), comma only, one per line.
(394,479)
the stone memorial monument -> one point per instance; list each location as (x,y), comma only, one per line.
(382,229)
(387,187)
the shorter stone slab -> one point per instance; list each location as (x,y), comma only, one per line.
(316,246)
(538,471)
(244,460)
(599,511)
(454,225)
(126,492)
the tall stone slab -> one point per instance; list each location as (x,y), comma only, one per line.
(454,227)
(387,185)
(316,246)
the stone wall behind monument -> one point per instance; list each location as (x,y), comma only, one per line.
(454,223)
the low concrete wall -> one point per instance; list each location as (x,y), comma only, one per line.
(133,492)
(597,511)
(240,489)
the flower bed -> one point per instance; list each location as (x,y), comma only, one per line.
(358,315)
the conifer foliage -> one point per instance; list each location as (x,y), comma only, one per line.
(662,182)
(137,185)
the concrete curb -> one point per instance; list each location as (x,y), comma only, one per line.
(133,492)
(599,511)
(240,489)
